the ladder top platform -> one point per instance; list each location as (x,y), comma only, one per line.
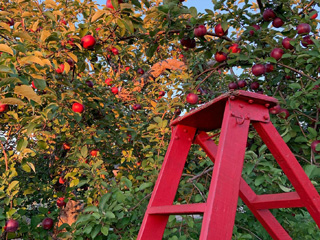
(209,116)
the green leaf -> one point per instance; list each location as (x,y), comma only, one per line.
(110,214)
(145,185)
(9,80)
(271,59)
(95,231)
(22,144)
(105,230)
(91,209)
(193,12)
(40,84)
(104,199)
(283,188)
(84,151)
(5,69)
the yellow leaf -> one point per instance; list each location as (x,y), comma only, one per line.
(44,35)
(46,61)
(4,13)
(97,15)
(5,26)
(66,67)
(35,26)
(33,59)
(12,101)
(125,5)
(27,91)
(27,14)
(23,35)
(74,57)
(57,13)
(153,103)
(71,26)
(6,48)
(50,2)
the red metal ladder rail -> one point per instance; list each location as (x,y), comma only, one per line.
(226,183)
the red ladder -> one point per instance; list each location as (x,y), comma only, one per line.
(233,113)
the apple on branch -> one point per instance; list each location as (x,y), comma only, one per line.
(3,107)
(192,98)
(11,225)
(219,30)
(47,223)
(88,42)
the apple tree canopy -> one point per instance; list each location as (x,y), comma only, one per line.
(88,92)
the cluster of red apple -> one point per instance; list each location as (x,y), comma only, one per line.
(13,225)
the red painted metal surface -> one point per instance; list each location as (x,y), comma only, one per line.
(233,113)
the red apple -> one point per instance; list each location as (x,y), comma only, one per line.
(277,22)
(11,225)
(269,67)
(89,83)
(66,146)
(62,21)
(188,42)
(177,112)
(127,68)
(219,30)
(70,41)
(192,98)
(88,42)
(268,14)
(242,83)
(98,29)
(286,43)
(140,71)
(94,152)
(71,63)
(62,180)
(256,27)
(306,41)
(303,28)
(109,4)
(60,69)
(277,53)
(258,69)
(234,48)
(233,86)
(33,86)
(114,90)
(115,51)
(108,81)
(314,14)
(254,85)
(275,110)
(284,113)
(10,22)
(77,107)
(220,56)
(136,107)
(47,223)
(61,202)
(314,145)
(200,31)
(3,107)
(162,93)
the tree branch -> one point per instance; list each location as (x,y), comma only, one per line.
(297,71)
(5,156)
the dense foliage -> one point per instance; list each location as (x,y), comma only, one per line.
(106,158)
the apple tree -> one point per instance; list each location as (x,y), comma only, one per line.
(88,92)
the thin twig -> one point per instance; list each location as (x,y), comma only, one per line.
(199,175)
(138,204)
(297,71)
(248,231)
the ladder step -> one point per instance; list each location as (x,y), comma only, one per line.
(278,200)
(195,208)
